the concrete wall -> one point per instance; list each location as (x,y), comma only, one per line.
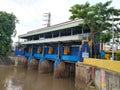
(103,79)
(112,81)
(65,69)
(108,80)
(82,76)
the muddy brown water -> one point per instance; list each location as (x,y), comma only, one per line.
(21,79)
(12,78)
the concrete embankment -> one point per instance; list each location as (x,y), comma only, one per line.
(103,74)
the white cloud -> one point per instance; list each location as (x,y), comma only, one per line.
(30,12)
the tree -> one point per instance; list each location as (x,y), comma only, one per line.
(7,30)
(97,17)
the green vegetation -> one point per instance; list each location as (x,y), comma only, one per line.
(118,56)
(21,46)
(97,18)
(7,30)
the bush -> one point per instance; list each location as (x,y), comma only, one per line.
(118,56)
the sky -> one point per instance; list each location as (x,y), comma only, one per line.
(30,13)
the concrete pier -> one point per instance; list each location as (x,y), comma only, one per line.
(33,65)
(60,70)
(46,66)
(82,75)
(65,69)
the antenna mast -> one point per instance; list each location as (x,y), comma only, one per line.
(48,19)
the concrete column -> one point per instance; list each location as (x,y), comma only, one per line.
(60,70)
(71,31)
(64,69)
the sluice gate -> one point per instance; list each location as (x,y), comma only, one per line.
(56,48)
(61,49)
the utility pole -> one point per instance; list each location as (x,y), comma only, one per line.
(112,37)
(48,19)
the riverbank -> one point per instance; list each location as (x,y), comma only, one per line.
(5,60)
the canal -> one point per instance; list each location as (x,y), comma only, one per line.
(21,79)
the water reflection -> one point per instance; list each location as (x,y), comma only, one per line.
(10,86)
(19,79)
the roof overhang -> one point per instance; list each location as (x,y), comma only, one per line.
(56,27)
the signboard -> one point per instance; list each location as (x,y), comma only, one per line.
(85,54)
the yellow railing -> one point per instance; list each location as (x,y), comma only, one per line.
(106,64)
